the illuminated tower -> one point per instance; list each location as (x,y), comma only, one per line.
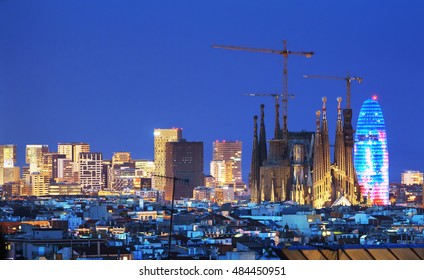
(339,167)
(371,156)
(162,136)
(322,183)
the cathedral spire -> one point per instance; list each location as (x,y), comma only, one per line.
(324,115)
(254,167)
(262,138)
(339,114)
(277,129)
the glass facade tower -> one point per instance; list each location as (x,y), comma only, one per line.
(371,156)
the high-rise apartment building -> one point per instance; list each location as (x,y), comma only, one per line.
(161,137)
(183,161)
(226,162)
(90,174)
(7,155)
(371,155)
(34,157)
(411,177)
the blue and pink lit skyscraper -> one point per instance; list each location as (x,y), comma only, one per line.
(371,155)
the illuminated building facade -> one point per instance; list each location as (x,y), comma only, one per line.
(225,166)
(9,173)
(411,177)
(119,158)
(161,137)
(7,155)
(34,157)
(90,174)
(298,166)
(50,165)
(71,151)
(282,172)
(371,154)
(145,167)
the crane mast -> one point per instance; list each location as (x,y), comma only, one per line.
(285,53)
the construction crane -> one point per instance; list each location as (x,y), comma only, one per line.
(275,95)
(348,80)
(285,53)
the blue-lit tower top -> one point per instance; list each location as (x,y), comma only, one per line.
(371,155)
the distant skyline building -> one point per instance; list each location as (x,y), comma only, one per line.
(7,155)
(184,161)
(34,157)
(161,137)
(119,158)
(65,171)
(412,177)
(146,167)
(90,174)
(72,151)
(9,173)
(50,165)
(226,162)
(371,155)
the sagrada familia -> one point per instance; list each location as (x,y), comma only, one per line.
(297,167)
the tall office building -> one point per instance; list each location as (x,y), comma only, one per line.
(9,173)
(412,177)
(90,174)
(7,155)
(184,161)
(162,136)
(226,162)
(34,157)
(50,165)
(72,150)
(371,154)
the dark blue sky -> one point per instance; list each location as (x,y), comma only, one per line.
(109,72)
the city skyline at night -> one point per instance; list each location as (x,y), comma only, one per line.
(109,76)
